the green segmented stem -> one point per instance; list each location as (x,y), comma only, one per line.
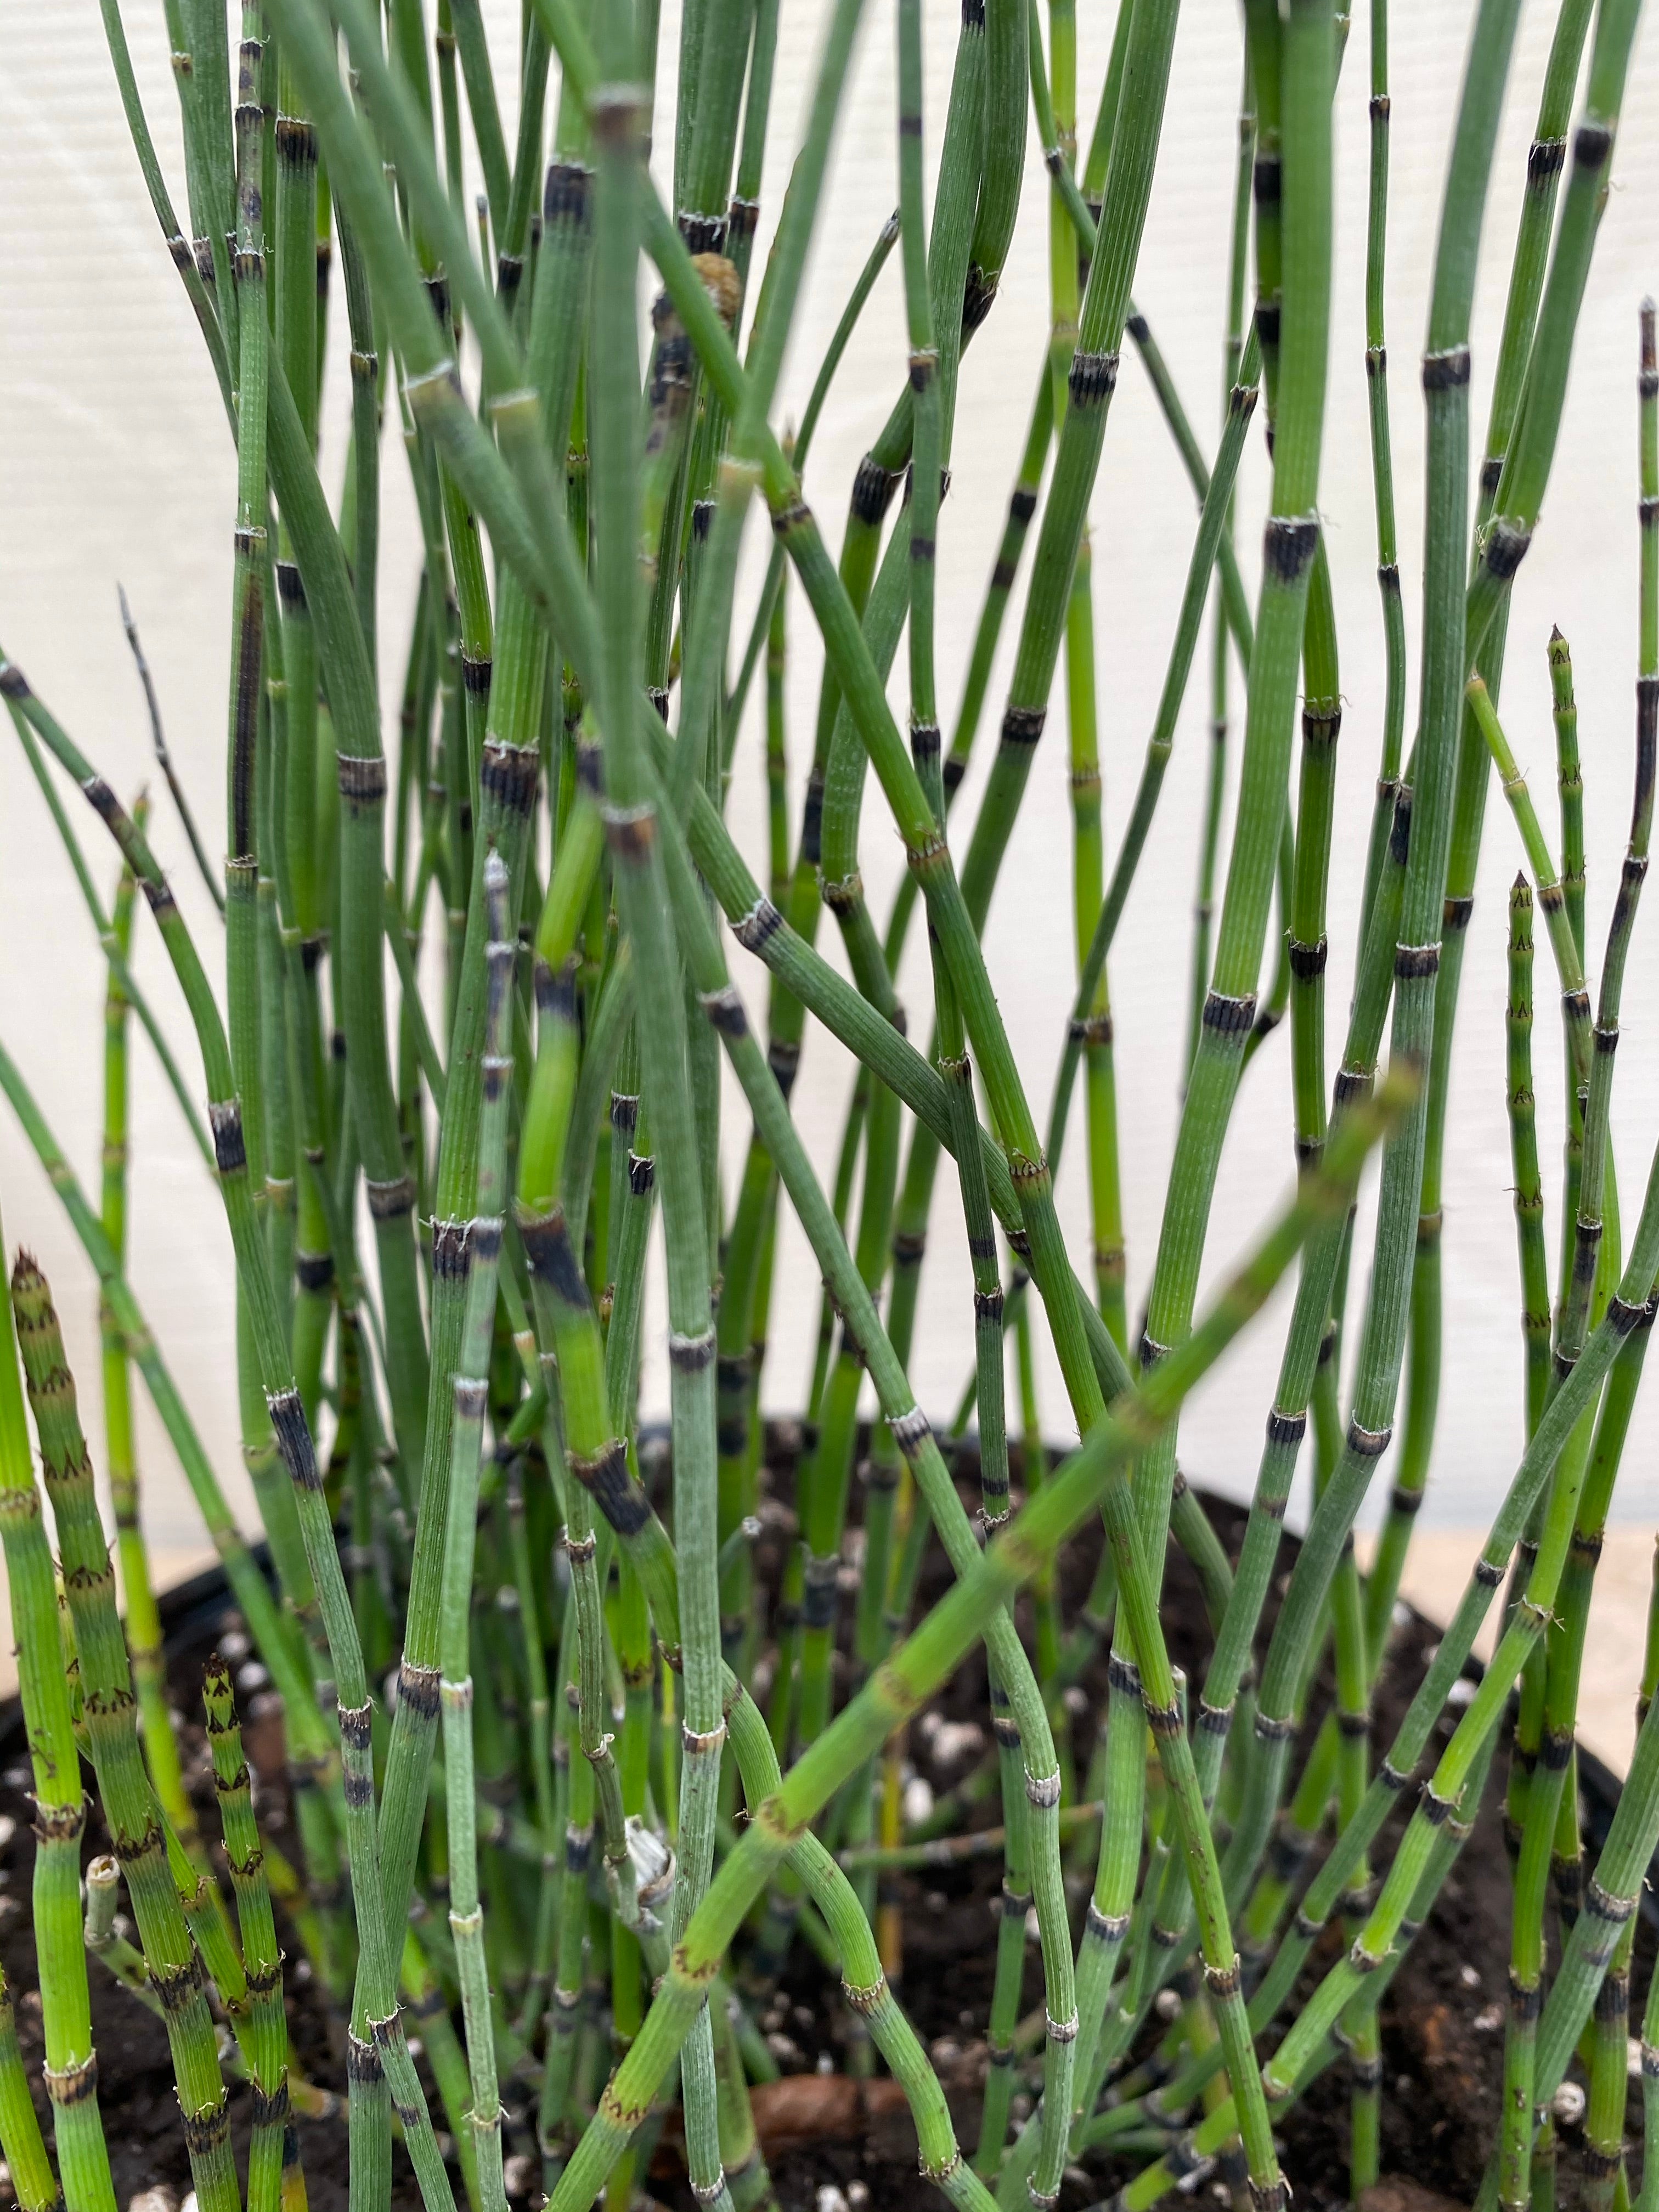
(1241,407)
(143,1620)
(917,1443)
(1523,1153)
(1308,62)
(114,953)
(375,1985)
(1092,378)
(1649,2049)
(32,2177)
(1527,460)
(545,1344)
(1201,2143)
(666,1074)
(801,538)
(863,284)
(252,1595)
(483,1235)
(266,2044)
(1575,998)
(1376,392)
(1417,957)
(1576,1394)
(1526,277)
(1191,1826)
(70,2064)
(1203,913)
(109,1713)
(907,1676)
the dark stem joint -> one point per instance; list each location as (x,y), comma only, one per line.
(417,1688)
(1288,544)
(1447,370)
(872,491)
(293,1441)
(229,1149)
(724,1011)
(362,778)
(1229,1017)
(387,1201)
(1307,961)
(1091,378)
(1591,145)
(1505,548)
(753,929)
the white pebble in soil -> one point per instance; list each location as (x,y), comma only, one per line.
(1567,2105)
(1469,1975)
(831,2199)
(956,1740)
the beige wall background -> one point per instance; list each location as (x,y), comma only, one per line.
(115,465)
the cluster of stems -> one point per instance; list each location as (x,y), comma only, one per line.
(570,1777)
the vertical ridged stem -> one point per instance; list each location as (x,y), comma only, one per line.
(249,1587)
(631,829)
(1518,497)
(1377,391)
(142,1621)
(288,1416)
(1240,406)
(1094,1475)
(1523,1156)
(110,1716)
(1291,537)
(32,2177)
(265,2038)
(455,1688)
(1526,278)
(1215,790)
(1524,1631)
(1417,943)
(70,2064)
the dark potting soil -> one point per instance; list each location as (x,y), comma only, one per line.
(1443,2017)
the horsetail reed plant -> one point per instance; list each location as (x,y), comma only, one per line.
(582,1736)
